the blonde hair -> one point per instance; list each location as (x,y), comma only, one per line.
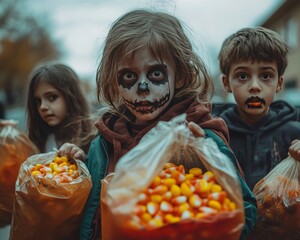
(164,35)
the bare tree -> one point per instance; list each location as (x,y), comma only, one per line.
(24,42)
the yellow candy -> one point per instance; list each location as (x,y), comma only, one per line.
(37,173)
(196,171)
(64,159)
(156,181)
(169,182)
(156,223)
(195,201)
(146,217)
(175,190)
(216,188)
(156,198)
(208,176)
(186,190)
(174,195)
(215,204)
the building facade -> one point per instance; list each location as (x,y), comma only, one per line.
(286,21)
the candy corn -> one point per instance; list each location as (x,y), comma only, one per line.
(175,195)
(60,170)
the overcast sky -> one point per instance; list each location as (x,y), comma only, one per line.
(81,25)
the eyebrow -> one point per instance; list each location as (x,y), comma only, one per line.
(247,68)
(267,68)
(157,65)
(48,93)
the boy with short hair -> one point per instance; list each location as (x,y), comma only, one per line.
(252,62)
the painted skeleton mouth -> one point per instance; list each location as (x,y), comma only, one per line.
(146,107)
(255,102)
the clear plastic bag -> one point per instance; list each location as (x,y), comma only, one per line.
(168,142)
(278,200)
(15,148)
(45,208)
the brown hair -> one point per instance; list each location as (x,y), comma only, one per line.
(77,127)
(165,37)
(254,44)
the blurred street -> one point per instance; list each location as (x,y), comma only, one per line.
(4,233)
(18,114)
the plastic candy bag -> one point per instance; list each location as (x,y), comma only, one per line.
(49,204)
(168,142)
(15,148)
(278,201)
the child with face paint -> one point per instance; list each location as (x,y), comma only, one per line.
(252,62)
(149,73)
(58,112)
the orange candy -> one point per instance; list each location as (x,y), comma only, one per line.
(175,195)
(60,170)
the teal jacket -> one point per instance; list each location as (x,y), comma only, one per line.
(97,163)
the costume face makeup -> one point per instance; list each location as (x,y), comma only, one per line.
(146,85)
(253,85)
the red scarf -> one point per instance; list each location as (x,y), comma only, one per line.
(124,135)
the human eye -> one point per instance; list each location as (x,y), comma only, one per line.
(266,76)
(242,76)
(52,97)
(127,78)
(157,73)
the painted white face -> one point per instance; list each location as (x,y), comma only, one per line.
(147,86)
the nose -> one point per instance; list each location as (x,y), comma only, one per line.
(254,86)
(43,106)
(143,88)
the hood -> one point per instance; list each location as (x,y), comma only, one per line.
(279,113)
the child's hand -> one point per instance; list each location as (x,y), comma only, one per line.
(196,129)
(294,149)
(71,150)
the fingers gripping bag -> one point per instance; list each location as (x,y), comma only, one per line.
(15,148)
(278,201)
(172,186)
(51,192)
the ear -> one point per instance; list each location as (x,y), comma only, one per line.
(226,84)
(279,84)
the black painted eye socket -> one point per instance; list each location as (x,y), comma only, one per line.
(129,76)
(127,79)
(157,74)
